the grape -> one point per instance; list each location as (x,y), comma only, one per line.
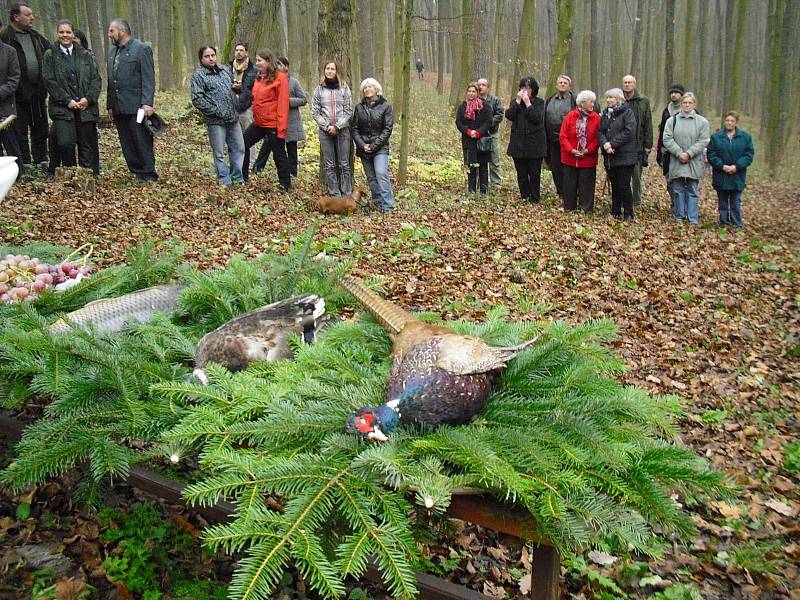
(39,285)
(3,276)
(73,273)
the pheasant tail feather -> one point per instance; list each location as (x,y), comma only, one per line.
(389,315)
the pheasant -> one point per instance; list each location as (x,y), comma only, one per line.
(438,377)
(261,334)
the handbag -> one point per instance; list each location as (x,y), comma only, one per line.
(485,144)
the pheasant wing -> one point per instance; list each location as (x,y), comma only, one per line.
(464,355)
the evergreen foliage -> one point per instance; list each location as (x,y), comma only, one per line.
(591,460)
(100,412)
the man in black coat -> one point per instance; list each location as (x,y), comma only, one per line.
(131,88)
(9,76)
(31,93)
(244,75)
(496,105)
(556,108)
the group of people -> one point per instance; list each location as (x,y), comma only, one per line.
(246,102)
(570,132)
(61,80)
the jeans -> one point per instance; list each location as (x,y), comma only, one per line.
(482,171)
(621,195)
(376,168)
(687,202)
(275,145)
(529,178)
(578,187)
(730,207)
(219,136)
(335,151)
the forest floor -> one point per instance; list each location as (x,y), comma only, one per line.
(712,315)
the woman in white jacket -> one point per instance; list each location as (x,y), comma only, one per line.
(332,108)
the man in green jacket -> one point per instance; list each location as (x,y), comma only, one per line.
(640,105)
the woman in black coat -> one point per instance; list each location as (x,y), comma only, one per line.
(528,145)
(618,142)
(473,119)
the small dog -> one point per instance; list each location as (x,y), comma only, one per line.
(339,205)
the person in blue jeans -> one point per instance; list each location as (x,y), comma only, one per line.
(212,95)
(371,128)
(685,138)
(730,152)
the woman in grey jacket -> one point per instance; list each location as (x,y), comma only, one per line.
(332,108)
(685,137)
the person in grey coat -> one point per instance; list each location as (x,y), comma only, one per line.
(9,76)
(131,86)
(496,106)
(295,133)
(332,109)
(685,138)
(213,95)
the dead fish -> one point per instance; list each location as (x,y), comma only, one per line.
(112,314)
(261,334)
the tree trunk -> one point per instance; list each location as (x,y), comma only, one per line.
(381,21)
(594,43)
(524,63)
(163,55)
(294,39)
(483,27)
(669,42)
(774,86)
(443,8)
(735,71)
(365,38)
(405,115)
(177,40)
(565,10)
(636,42)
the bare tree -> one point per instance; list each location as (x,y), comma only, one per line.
(565,10)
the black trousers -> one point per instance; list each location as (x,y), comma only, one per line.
(621,193)
(529,177)
(579,187)
(8,139)
(64,154)
(273,144)
(137,147)
(266,150)
(482,171)
(32,115)
(556,169)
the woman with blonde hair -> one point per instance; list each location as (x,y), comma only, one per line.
(332,108)
(372,126)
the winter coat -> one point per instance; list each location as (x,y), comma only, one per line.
(660,151)
(297,98)
(723,151)
(618,126)
(10,77)
(496,106)
(481,124)
(569,140)
(27,90)
(553,130)
(244,97)
(212,94)
(527,130)
(332,106)
(686,133)
(640,106)
(69,79)
(271,104)
(372,124)
(133,84)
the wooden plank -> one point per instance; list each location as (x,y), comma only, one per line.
(545,574)
(489,513)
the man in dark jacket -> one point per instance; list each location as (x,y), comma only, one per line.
(496,106)
(9,76)
(244,75)
(556,108)
(131,88)
(676,92)
(640,105)
(31,92)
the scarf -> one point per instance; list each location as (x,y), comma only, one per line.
(473,107)
(332,83)
(580,128)
(238,70)
(674,108)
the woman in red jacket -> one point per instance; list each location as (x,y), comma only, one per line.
(270,115)
(579,146)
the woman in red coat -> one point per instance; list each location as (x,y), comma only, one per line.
(270,115)
(579,146)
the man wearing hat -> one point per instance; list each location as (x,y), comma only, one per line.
(131,90)
(676,92)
